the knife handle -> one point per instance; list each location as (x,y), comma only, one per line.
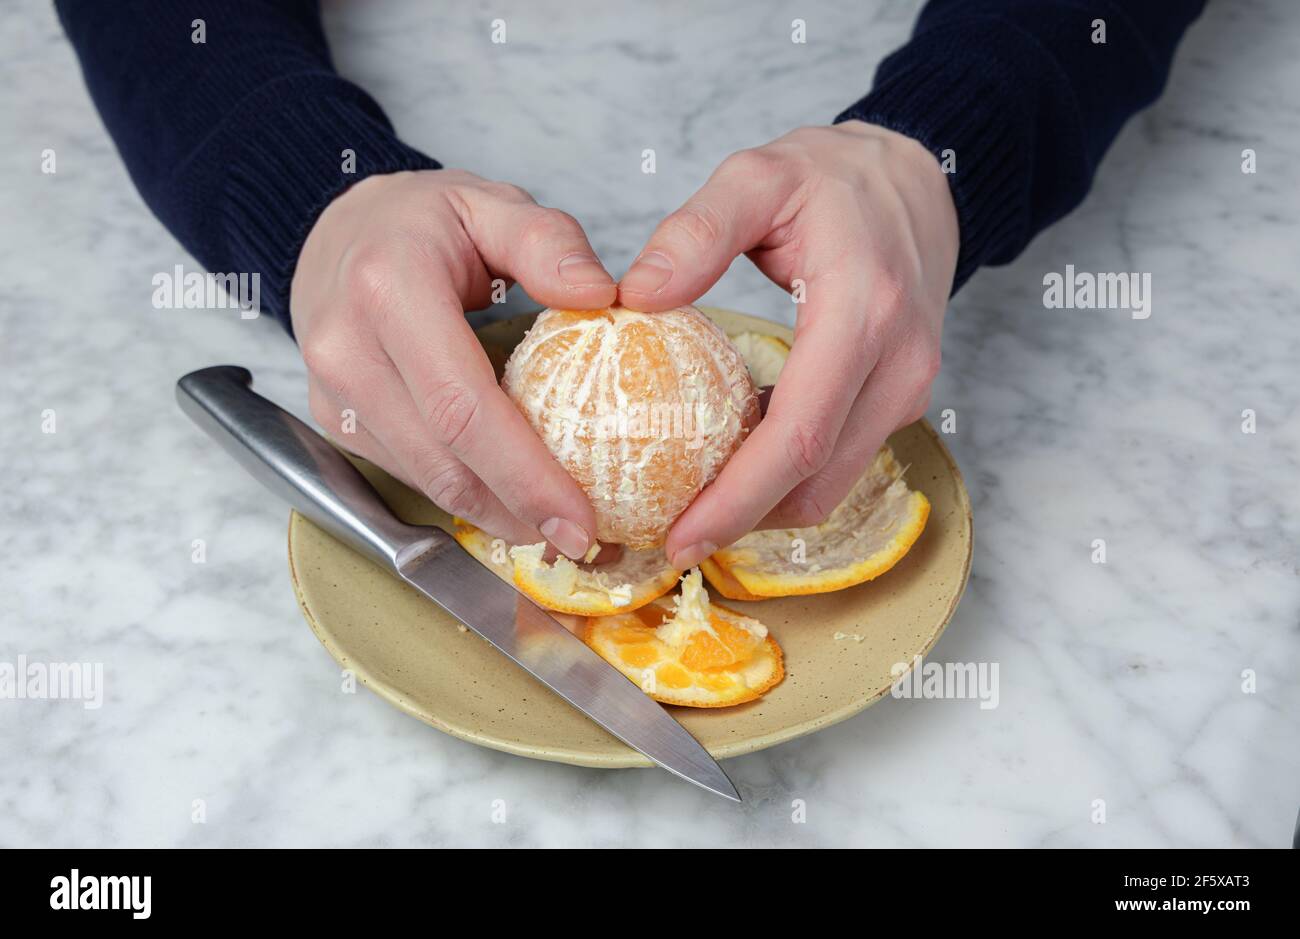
(298,464)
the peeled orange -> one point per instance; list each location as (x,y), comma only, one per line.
(642,409)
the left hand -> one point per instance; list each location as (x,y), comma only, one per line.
(864,218)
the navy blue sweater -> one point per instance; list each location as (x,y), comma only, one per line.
(236,143)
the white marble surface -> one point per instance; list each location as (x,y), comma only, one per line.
(1119,682)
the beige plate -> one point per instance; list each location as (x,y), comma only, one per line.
(408,651)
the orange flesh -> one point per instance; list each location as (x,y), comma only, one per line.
(721,666)
(721,682)
(639,655)
(671,675)
(731,646)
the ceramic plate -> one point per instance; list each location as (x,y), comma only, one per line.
(839,647)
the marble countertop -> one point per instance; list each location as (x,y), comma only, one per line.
(1120,682)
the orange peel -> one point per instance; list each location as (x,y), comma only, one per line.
(621,586)
(724,583)
(866,535)
(764,355)
(688,651)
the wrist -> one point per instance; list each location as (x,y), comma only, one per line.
(326,139)
(918,175)
(328,241)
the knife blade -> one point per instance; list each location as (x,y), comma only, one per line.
(302,467)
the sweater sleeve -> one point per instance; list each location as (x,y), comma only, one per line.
(235,142)
(1023,102)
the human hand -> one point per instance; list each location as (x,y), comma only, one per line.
(378,304)
(863,217)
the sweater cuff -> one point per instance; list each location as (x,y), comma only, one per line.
(958,110)
(292,164)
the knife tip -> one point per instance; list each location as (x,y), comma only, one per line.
(713,779)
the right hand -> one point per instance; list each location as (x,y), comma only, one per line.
(378,304)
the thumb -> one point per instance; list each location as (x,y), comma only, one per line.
(544,250)
(732,213)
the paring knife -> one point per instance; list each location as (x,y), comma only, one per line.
(299,465)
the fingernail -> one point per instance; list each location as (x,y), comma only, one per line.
(649,274)
(583,270)
(688,557)
(565,535)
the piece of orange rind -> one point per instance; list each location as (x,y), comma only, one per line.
(724,583)
(621,586)
(866,535)
(764,356)
(492,553)
(689,652)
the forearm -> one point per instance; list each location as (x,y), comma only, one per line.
(236,143)
(1020,103)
